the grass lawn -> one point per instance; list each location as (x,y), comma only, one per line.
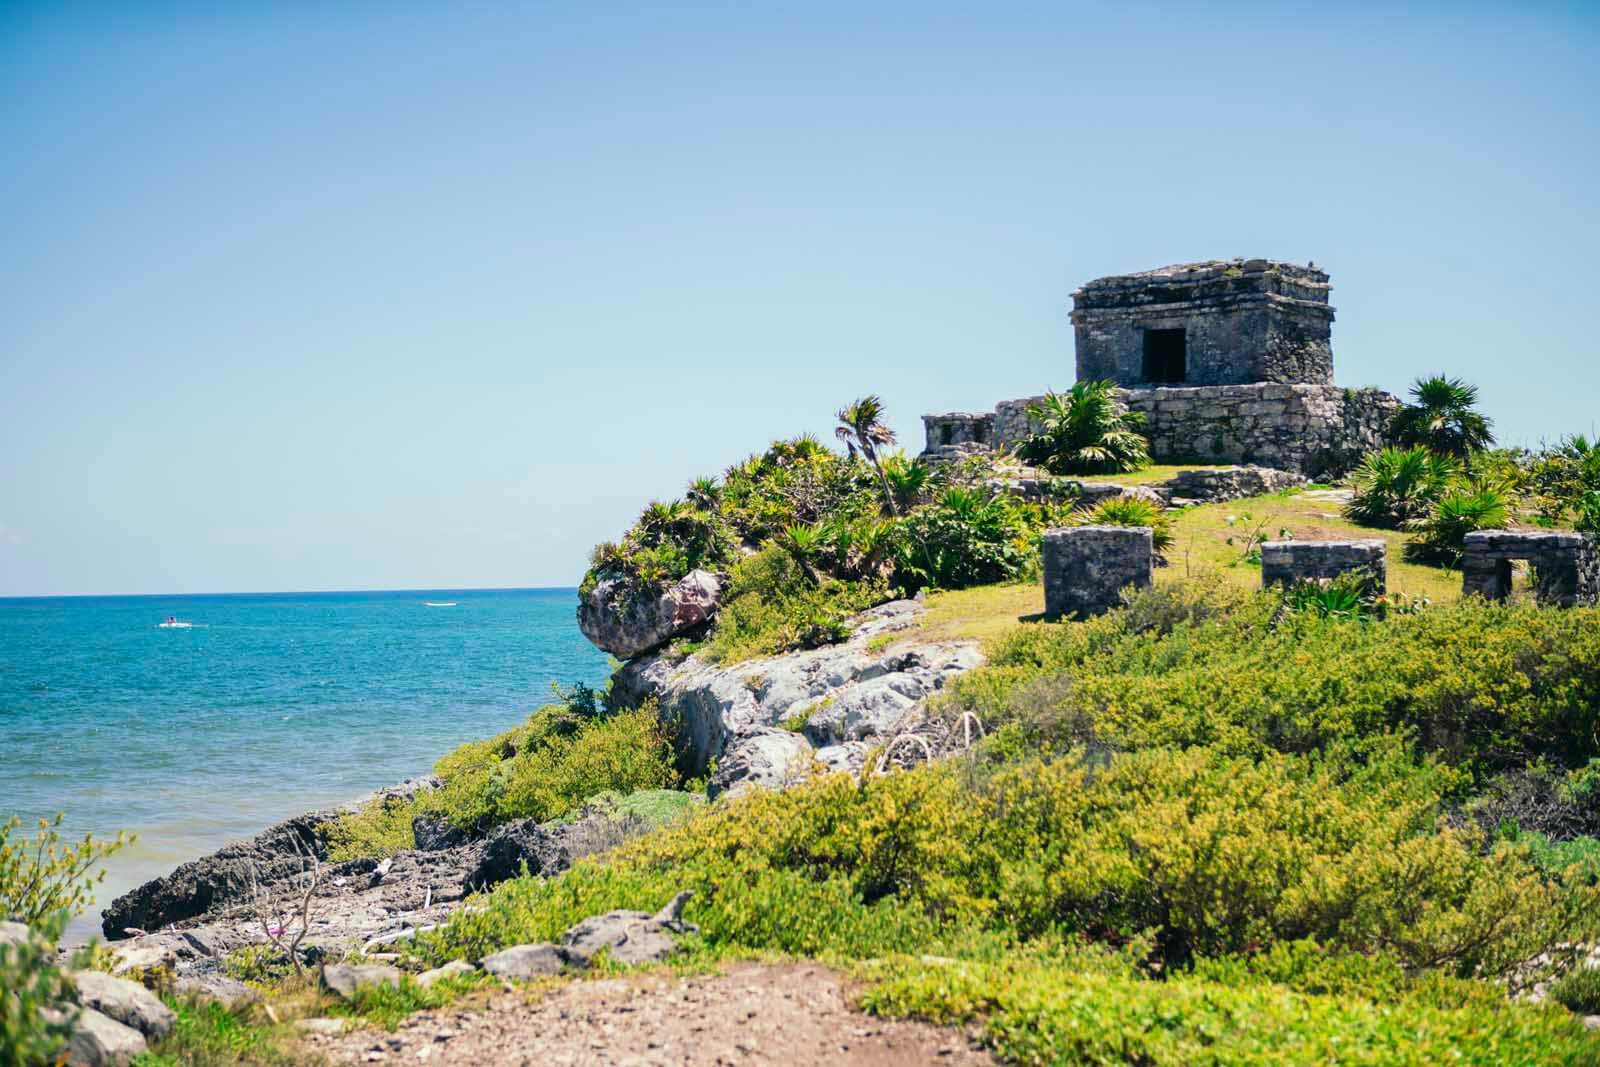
(1158,472)
(1200,543)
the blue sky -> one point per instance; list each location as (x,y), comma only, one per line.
(306,296)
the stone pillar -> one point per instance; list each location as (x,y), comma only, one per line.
(1087,567)
(1566,566)
(1288,562)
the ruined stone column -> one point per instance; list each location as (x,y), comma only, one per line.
(1288,562)
(1087,567)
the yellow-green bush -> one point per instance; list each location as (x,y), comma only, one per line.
(542,769)
(1485,685)
(46,876)
(1036,1011)
(1214,854)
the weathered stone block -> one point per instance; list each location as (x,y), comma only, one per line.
(1087,567)
(1232,483)
(1565,565)
(1289,562)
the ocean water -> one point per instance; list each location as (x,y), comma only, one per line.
(270,705)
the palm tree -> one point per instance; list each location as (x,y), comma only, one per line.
(1086,431)
(861,425)
(1443,417)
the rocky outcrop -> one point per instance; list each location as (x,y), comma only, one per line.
(222,879)
(764,720)
(626,621)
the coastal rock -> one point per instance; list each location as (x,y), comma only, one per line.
(347,979)
(846,693)
(99,1041)
(625,620)
(433,833)
(632,937)
(15,933)
(214,985)
(528,961)
(223,878)
(129,1003)
(768,758)
(449,970)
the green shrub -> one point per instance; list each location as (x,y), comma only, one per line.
(380,828)
(1214,854)
(1463,510)
(207,1034)
(1040,1012)
(965,537)
(772,605)
(1491,686)
(1086,430)
(31,980)
(1578,990)
(1131,511)
(45,876)
(1394,487)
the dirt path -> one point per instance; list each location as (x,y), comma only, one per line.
(751,1014)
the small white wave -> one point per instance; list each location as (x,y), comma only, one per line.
(438,603)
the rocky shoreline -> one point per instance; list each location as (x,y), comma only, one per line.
(762,723)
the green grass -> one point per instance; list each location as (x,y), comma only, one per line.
(1153,474)
(1203,533)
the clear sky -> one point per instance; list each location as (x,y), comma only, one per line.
(299,295)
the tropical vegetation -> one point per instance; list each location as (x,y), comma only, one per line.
(1085,430)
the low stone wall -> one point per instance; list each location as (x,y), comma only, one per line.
(1566,566)
(1289,562)
(1319,431)
(1087,567)
(1235,483)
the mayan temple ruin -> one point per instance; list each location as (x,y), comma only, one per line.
(1229,361)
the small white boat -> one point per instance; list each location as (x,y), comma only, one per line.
(438,603)
(174,623)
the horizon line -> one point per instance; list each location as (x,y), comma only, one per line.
(300,592)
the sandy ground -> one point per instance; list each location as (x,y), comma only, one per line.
(750,1014)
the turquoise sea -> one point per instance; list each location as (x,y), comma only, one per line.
(267,706)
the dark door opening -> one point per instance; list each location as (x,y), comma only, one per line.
(1166,356)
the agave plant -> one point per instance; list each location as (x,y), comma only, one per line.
(1397,486)
(861,426)
(1132,511)
(1443,416)
(1441,535)
(1086,431)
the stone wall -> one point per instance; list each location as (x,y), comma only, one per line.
(1289,562)
(1566,566)
(1087,567)
(1234,483)
(1244,321)
(1319,431)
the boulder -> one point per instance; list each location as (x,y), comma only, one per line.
(100,1041)
(449,970)
(530,961)
(768,758)
(145,952)
(626,620)
(222,879)
(15,933)
(214,985)
(434,833)
(633,937)
(347,979)
(508,847)
(856,691)
(129,1003)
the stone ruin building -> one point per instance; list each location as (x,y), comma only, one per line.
(1228,361)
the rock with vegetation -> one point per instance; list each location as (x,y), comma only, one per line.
(127,1002)
(851,692)
(529,961)
(626,619)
